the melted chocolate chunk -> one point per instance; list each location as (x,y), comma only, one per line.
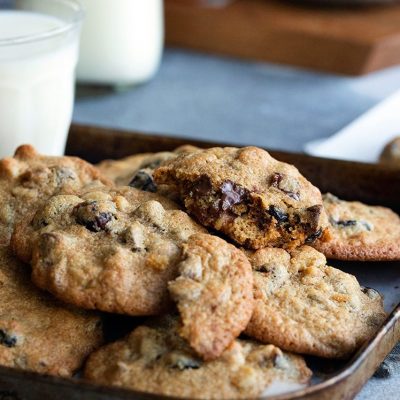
(7,339)
(88,215)
(278,214)
(143,181)
(201,187)
(314,212)
(214,202)
(312,238)
(231,194)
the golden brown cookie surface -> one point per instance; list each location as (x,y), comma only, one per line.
(360,232)
(246,194)
(28,179)
(112,249)
(137,170)
(214,294)
(37,332)
(157,360)
(305,306)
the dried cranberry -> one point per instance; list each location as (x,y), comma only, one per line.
(143,181)
(88,215)
(276,179)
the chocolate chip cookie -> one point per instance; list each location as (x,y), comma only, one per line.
(157,360)
(391,153)
(137,170)
(305,306)
(28,179)
(109,249)
(214,294)
(37,333)
(246,194)
(360,232)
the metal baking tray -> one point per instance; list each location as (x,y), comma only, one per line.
(333,379)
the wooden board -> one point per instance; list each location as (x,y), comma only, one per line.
(346,40)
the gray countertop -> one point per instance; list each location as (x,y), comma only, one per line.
(214,98)
(220,99)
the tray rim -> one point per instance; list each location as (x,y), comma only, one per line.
(391,326)
(355,363)
(204,143)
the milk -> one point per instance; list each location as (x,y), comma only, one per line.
(121,42)
(36,81)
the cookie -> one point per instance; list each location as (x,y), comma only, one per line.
(109,249)
(303,305)
(246,194)
(360,232)
(28,179)
(155,359)
(137,170)
(37,333)
(391,153)
(214,294)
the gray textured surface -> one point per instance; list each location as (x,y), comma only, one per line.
(221,99)
(251,103)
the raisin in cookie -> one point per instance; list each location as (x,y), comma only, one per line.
(246,194)
(137,170)
(37,333)
(360,232)
(391,153)
(157,360)
(28,179)
(305,306)
(214,294)
(109,249)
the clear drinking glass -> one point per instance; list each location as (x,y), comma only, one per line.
(39,45)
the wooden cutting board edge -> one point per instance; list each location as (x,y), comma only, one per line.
(245,35)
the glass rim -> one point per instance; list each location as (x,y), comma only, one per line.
(78,15)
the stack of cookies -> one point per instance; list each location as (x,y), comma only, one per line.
(224,250)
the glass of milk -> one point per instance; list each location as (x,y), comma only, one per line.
(121,42)
(39,45)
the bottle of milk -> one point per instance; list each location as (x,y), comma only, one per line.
(121,42)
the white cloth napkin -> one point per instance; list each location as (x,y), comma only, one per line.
(363,139)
